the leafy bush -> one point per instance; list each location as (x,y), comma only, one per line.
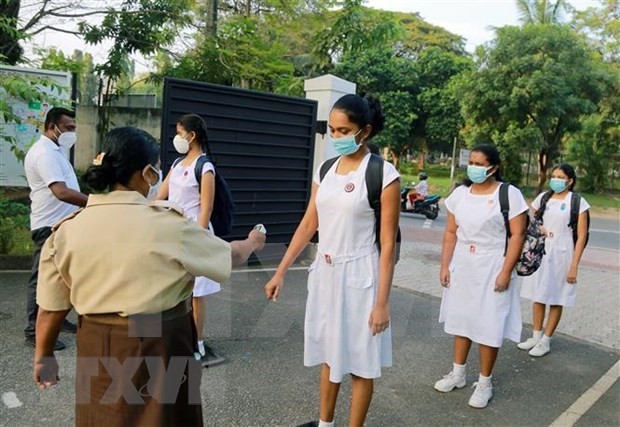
(7,235)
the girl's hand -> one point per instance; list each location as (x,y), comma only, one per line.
(502,281)
(379,319)
(572,276)
(272,288)
(444,277)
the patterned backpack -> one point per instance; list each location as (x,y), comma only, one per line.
(534,244)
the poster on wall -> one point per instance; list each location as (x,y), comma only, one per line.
(31,116)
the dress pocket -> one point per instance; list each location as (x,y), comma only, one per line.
(359,294)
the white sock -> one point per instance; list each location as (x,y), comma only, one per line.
(201,347)
(537,335)
(545,339)
(326,424)
(458,370)
(484,380)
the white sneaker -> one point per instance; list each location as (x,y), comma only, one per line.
(450,382)
(481,396)
(540,349)
(528,344)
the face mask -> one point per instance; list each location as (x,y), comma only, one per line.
(66,139)
(345,145)
(477,174)
(154,188)
(180,144)
(557,184)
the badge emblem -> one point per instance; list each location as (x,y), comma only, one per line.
(349,187)
(563,206)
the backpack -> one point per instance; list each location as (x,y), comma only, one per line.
(374,186)
(534,244)
(223,204)
(575,203)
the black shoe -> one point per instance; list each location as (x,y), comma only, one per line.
(211,358)
(69,327)
(57,347)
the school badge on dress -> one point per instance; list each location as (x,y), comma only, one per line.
(349,187)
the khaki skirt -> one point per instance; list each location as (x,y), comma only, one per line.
(137,372)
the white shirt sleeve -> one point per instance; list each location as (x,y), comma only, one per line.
(583,206)
(453,199)
(537,200)
(518,205)
(49,170)
(208,167)
(390,174)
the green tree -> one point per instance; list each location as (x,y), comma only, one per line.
(79,63)
(541,11)
(601,25)
(530,89)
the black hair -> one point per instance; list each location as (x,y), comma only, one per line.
(125,151)
(195,123)
(569,171)
(373,149)
(53,116)
(362,110)
(492,155)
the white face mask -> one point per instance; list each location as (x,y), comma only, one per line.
(180,144)
(66,139)
(154,188)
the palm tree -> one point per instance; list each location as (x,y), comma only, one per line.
(541,11)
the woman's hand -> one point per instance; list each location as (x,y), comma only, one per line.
(46,372)
(272,288)
(379,319)
(572,275)
(502,281)
(444,277)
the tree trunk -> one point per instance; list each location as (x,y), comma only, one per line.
(395,158)
(10,50)
(543,165)
(421,159)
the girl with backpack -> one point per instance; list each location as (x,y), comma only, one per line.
(347,311)
(555,282)
(480,303)
(196,200)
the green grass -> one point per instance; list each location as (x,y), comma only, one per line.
(22,243)
(439,183)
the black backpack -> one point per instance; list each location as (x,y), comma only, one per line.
(223,205)
(575,203)
(374,186)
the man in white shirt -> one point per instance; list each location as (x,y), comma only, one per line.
(54,192)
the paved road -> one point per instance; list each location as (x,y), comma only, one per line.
(604,231)
(265,384)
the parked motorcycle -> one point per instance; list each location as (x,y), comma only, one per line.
(429,207)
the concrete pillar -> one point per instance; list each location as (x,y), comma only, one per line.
(326,90)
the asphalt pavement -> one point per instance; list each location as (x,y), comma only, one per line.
(264,382)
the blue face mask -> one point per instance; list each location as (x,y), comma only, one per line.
(345,145)
(477,174)
(557,184)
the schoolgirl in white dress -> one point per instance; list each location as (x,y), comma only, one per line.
(181,188)
(480,304)
(347,312)
(555,282)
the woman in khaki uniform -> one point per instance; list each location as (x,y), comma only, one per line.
(127,268)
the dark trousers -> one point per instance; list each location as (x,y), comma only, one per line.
(39,236)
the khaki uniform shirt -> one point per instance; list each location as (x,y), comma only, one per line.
(122,255)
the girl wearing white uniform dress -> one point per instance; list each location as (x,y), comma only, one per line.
(479,303)
(347,312)
(555,281)
(181,188)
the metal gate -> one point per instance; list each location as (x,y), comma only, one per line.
(263,145)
